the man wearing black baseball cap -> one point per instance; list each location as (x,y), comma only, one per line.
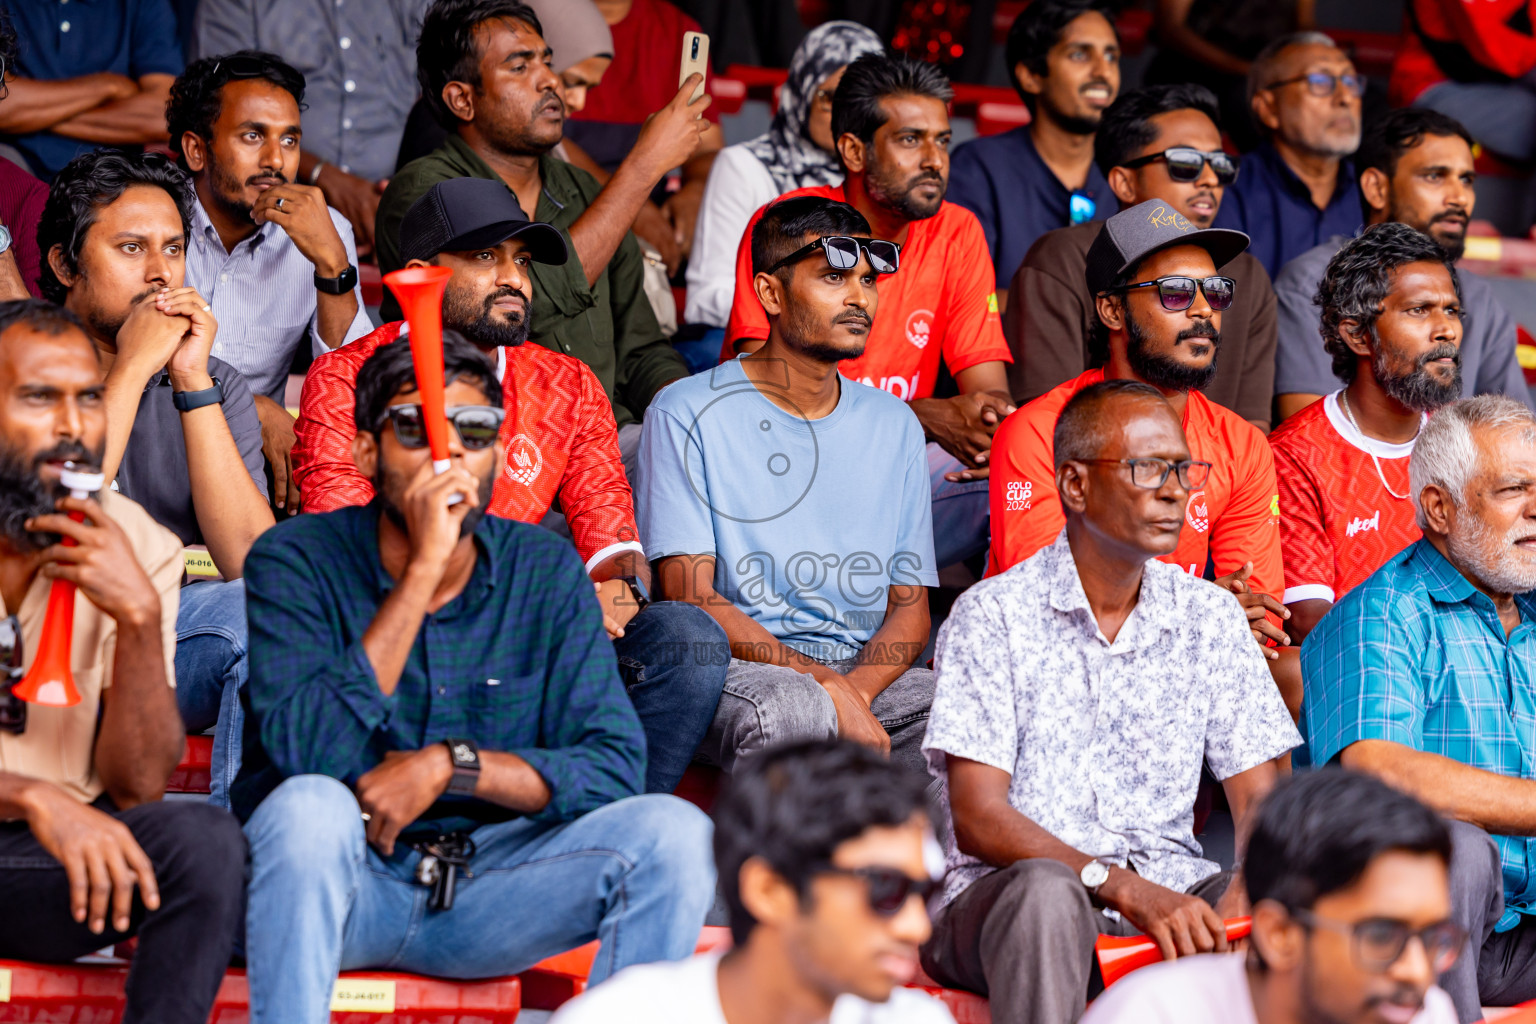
(561,445)
(1159,295)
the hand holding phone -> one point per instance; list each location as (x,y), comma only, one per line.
(695,61)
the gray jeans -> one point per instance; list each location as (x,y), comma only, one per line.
(1498,968)
(766,705)
(1023,937)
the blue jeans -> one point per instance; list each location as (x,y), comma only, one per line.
(962,520)
(637,874)
(673,659)
(211,667)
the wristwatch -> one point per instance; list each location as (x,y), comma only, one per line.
(637,588)
(338,285)
(5,239)
(186,401)
(1093,875)
(466,766)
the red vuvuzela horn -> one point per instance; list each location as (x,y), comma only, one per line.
(50,681)
(1120,956)
(419,291)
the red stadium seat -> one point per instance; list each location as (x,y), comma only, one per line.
(372,280)
(727,95)
(193,774)
(564,976)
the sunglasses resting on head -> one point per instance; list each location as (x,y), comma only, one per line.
(843,253)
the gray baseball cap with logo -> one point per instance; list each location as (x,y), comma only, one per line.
(1130,236)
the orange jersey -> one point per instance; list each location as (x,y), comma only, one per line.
(1338,521)
(939,302)
(559,433)
(1233,518)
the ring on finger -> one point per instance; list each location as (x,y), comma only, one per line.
(207,308)
(280,202)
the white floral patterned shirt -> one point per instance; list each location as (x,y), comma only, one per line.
(1104,741)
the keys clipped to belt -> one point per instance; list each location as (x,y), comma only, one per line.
(441,861)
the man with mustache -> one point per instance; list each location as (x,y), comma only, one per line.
(1415,169)
(1423,675)
(891,123)
(1159,298)
(822,851)
(183,438)
(1392,321)
(90,853)
(765,502)
(1345,873)
(276,263)
(1063,57)
(1160,142)
(562,452)
(431,681)
(1079,696)
(1297,188)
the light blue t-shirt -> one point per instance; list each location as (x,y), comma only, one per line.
(809,520)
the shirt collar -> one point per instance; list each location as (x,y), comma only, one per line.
(482,579)
(1443,580)
(204,233)
(1269,154)
(1067,594)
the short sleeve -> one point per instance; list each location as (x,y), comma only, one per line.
(1026,512)
(244,425)
(973,331)
(1304,542)
(1248,723)
(974,713)
(1361,668)
(674,518)
(156,43)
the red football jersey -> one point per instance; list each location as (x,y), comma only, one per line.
(1232,518)
(559,433)
(940,301)
(1338,522)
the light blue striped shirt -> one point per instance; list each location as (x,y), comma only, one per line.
(263,296)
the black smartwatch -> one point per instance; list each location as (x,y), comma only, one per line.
(641,594)
(186,401)
(466,766)
(338,285)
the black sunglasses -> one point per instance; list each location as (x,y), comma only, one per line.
(843,253)
(1178,293)
(13,710)
(477,425)
(887,888)
(1185,164)
(1323,83)
(241,67)
(1152,473)
(1377,942)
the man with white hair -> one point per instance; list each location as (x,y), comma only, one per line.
(1297,190)
(1425,675)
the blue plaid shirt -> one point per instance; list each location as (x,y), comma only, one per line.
(519,662)
(1417,655)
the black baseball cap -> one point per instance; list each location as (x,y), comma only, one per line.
(1130,236)
(474,213)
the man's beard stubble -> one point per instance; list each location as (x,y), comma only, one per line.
(899,197)
(481,325)
(806,336)
(23,495)
(1162,371)
(381,479)
(1417,389)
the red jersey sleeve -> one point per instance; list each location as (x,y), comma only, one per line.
(1026,512)
(748,320)
(322,455)
(594,492)
(973,331)
(1304,542)
(1249,528)
(1485,32)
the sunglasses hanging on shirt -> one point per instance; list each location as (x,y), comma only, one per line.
(1081,208)
(13,710)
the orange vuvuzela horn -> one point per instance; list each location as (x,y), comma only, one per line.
(1120,956)
(419,291)
(50,681)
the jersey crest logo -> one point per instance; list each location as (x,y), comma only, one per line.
(1018,495)
(1197,513)
(1361,525)
(524,460)
(920,327)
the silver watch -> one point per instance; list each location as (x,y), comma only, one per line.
(5,239)
(1093,875)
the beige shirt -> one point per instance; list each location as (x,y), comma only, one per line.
(59,743)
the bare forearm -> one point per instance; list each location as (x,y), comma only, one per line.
(509,781)
(335,313)
(15,795)
(1245,791)
(11,285)
(34,105)
(141,737)
(125,386)
(1305,615)
(598,232)
(1493,802)
(231,513)
(137,120)
(625,563)
(896,644)
(688,578)
(999,835)
(392,633)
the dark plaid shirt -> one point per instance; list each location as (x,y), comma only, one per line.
(519,662)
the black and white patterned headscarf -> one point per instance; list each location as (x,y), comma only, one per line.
(786,150)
